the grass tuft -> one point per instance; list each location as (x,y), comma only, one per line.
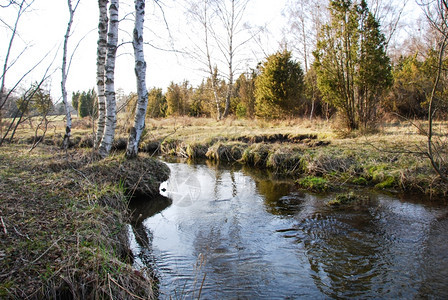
(315,184)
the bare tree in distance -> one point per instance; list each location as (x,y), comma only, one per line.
(27,96)
(305,17)
(200,13)
(389,14)
(437,142)
(65,71)
(22,7)
(231,15)
(224,35)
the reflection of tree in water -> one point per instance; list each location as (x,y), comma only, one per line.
(277,198)
(141,209)
(222,241)
(435,261)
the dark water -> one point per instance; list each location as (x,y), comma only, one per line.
(243,235)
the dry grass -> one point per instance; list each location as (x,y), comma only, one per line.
(63,232)
(297,147)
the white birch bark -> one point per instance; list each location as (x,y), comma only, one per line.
(101,70)
(111,110)
(68,115)
(140,73)
(3,97)
(213,74)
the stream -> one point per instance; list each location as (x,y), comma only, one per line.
(231,232)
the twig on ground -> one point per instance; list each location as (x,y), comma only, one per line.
(4,226)
(124,289)
(21,234)
(45,252)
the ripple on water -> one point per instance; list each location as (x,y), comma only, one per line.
(253,237)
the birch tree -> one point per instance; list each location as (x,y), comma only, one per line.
(305,17)
(21,7)
(101,69)
(201,14)
(224,35)
(140,73)
(111,110)
(65,70)
(231,16)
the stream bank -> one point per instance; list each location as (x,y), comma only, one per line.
(317,165)
(63,223)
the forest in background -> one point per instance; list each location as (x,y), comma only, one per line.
(335,61)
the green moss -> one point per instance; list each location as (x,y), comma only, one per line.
(5,287)
(377,172)
(389,182)
(347,199)
(316,184)
(360,181)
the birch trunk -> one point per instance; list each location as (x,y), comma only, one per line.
(140,73)
(111,110)
(230,28)
(212,72)
(3,97)
(68,115)
(101,69)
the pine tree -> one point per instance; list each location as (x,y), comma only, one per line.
(87,104)
(279,86)
(352,67)
(375,71)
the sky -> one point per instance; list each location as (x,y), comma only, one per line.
(42,30)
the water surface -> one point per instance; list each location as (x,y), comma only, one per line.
(236,233)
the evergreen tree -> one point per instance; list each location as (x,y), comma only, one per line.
(352,67)
(157,105)
(87,106)
(375,71)
(75,99)
(200,101)
(174,99)
(279,86)
(245,88)
(412,82)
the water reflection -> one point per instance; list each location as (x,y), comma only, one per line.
(243,234)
